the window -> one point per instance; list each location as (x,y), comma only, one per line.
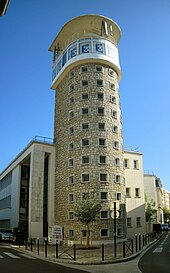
(85,126)
(119,232)
(71,130)
(84,233)
(104,195)
(101,126)
(84,69)
(115,129)
(114,114)
(70,162)
(137,192)
(85,142)
(129,222)
(71,146)
(102,142)
(117,162)
(71,215)
(85,96)
(71,233)
(126,163)
(104,232)
(85,159)
(104,214)
(72,87)
(138,221)
(111,72)
(71,197)
(71,100)
(135,164)
(101,111)
(100,96)
(72,74)
(85,177)
(118,196)
(116,144)
(71,114)
(98,68)
(85,111)
(102,159)
(103,177)
(112,99)
(71,179)
(128,194)
(117,178)
(84,83)
(99,82)
(112,86)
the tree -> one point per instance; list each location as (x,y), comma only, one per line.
(87,211)
(166,213)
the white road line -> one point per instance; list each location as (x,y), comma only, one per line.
(158,250)
(11,255)
(28,257)
(1,257)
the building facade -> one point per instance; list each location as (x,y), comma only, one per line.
(135,197)
(27,190)
(88,124)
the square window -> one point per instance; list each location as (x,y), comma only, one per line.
(71,130)
(112,99)
(117,178)
(85,142)
(129,222)
(71,114)
(71,233)
(137,192)
(104,195)
(85,96)
(135,164)
(104,214)
(101,126)
(71,197)
(84,83)
(128,195)
(101,111)
(71,179)
(117,162)
(104,232)
(99,68)
(71,146)
(71,87)
(103,177)
(71,215)
(85,111)
(71,100)
(116,144)
(100,96)
(126,163)
(85,159)
(111,72)
(102,159)
(85,126)
(115,129)
(70,162)
(84,69)
(85,177)
(119,232)
(112,86)
(99,82)
(114,114)
(102,142)
(138,221)
(118,196)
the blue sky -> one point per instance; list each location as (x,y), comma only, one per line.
(27,102)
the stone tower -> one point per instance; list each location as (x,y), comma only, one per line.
(88,125)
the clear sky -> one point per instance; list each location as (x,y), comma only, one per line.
(27,102)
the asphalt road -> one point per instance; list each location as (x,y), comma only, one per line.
(157,258)
(12,261)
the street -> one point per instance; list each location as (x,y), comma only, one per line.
(157,258)
(13,261)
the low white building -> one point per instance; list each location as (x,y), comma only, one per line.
(27,190)
(166,199)
(135,200)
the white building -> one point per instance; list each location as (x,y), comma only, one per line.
(27,190)
(135,200)
(166,199)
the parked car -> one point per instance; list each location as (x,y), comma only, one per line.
(6,235)
(165,226)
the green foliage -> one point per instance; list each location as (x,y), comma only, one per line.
(149,212)
(166,213)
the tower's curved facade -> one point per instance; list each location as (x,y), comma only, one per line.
(88,125)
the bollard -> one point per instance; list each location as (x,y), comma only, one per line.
(136,239)
(139,241)
(45,248)
(56,250)
(74,252)
(132,245)
(102,252)
(31,245)
(124,253)
(38,246)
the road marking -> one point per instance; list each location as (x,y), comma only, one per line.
(158,250)
(1,256)
(28,257)
(11,255)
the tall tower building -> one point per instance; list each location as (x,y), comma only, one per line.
(88,125)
